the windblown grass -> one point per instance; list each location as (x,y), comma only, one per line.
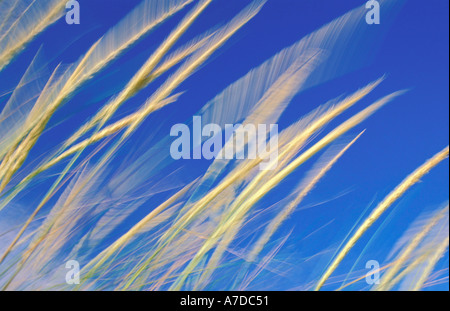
(98,212)
(382,207)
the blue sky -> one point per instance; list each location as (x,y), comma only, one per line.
(412,51)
